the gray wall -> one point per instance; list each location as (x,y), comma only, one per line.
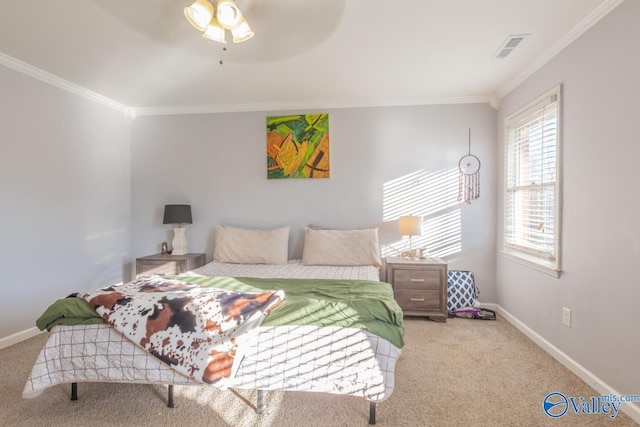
(217,163)
(65,191)
(601,206)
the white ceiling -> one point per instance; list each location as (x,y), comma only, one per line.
(331,53)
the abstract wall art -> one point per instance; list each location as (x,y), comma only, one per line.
(298,146)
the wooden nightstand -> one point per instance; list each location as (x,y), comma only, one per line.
(168,264)
(420,286)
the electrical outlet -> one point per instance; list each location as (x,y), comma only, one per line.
(566,317)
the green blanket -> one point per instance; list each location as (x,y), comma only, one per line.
(347,303)
(68,311)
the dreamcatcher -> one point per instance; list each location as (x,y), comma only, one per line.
(469,166)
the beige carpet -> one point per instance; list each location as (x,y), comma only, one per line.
(462,373)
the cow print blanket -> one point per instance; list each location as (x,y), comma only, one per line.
(194,329)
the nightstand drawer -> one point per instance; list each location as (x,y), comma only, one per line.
(418,279)
(418,299)
(168,264)
(158,267)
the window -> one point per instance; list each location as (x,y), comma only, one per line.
(532,183)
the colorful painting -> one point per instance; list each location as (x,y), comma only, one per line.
(298,146)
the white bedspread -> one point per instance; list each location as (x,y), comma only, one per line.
(307,358)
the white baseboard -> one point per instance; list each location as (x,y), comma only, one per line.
(631,409)
(19,336)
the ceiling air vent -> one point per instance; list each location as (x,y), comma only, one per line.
(508,45)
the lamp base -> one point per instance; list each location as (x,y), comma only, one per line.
(179,242)
(414,254)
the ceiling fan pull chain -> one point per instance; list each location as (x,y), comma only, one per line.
(224,49)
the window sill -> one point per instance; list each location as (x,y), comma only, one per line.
(533,262)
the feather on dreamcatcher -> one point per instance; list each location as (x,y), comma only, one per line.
(469,166)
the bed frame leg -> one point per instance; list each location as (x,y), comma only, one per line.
(74,391)
(170,403)
(260,403)
(372,413)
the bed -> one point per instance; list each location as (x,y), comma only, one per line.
(301,357)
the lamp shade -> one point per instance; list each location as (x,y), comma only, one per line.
(215,32)
(199,14)
(410,225)
(228,14)
(242,33)
(177,214)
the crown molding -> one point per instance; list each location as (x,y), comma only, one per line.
(588,22)
(237,108)
(131,113)
(53,80)
(495,101)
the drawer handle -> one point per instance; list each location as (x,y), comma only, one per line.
(417,299)
(416,280)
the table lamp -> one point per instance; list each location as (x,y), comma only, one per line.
(410,226)
(178,214)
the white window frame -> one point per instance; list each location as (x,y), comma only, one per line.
(545,262)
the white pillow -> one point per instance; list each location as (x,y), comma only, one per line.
(341,247)
(242,246)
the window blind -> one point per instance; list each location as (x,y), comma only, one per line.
(531,169)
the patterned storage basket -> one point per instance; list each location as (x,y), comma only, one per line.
(461,289)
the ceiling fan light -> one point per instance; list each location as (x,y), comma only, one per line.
(228,14)
(199,14)
(215,32)
(242,32)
